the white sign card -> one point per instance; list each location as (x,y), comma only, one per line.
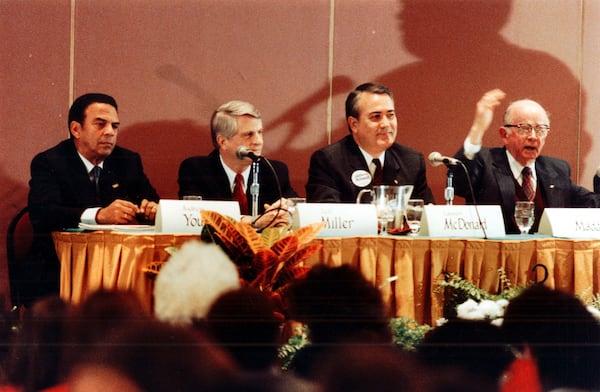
(183,216)
(466,221)
(341,219)
(570,222)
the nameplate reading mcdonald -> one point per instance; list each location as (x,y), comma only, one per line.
(464,221)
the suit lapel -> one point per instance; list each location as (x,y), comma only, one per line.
(504,178)
(548,181)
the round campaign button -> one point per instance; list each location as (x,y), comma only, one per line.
(361,178)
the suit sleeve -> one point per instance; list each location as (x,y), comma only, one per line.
(422,190)
(475,169)
(47,207)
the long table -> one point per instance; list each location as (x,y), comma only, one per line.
(406,269)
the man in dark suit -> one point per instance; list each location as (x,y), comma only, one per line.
(237,126)
(86,178)
(369,155)
(503,175)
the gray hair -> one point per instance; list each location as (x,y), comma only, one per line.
(224,122)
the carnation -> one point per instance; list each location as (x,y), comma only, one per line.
(191,280)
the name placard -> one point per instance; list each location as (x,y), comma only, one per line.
(462,221)
(341,219)
(570,222)
(183,216)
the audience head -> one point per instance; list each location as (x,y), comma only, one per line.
(357,368)
(93,123)
(157,357)
(98,317)
(564,338)
(339,305)
(36,354)
(472,347)
(525,146)
(191,280)
(243,322)
(371,117)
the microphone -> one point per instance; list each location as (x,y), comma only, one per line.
(243,152)
(436,159)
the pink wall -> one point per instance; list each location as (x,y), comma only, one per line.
(169,63)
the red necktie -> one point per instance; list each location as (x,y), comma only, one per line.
(527,184)
(378,174)
(239,195)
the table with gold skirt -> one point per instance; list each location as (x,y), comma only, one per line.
(406,269)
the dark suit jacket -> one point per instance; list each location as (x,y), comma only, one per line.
(493,183)
(331,168)
(60,190)
(205,176)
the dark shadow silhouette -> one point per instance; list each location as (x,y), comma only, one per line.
(163,145)
(462,55)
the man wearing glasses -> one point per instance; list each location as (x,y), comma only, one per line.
(517,171)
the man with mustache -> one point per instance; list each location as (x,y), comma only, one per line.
(499,176)
(369,155)
(86,178)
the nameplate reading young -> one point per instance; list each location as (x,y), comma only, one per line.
(183,216)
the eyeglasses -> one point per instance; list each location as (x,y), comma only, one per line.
(541,130)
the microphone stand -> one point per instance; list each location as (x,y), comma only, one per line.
(254,189)
(449,191)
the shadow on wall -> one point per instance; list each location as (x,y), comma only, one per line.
(462,55)
(163,145)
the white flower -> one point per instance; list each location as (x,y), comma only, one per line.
(490,309)
(191,280)
(441,321)
(469,310)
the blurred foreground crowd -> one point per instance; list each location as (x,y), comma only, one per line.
(207,333)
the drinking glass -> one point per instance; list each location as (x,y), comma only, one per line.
(291,205)
(414,212)
(386,209)
(524,215)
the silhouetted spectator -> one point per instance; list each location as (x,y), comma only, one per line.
(564,338)
(340,307)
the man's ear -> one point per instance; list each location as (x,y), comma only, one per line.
(75,129)
(352,121)
(220,140)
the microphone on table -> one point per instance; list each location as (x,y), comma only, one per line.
(243,152)
(436,159)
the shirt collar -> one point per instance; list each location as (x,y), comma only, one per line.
(89,165)
(516,168)
(231,174)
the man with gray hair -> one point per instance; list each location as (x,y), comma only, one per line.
(517,171)
(236,126)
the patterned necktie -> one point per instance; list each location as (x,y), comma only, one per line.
(378,174)
(239,195)
(527,183)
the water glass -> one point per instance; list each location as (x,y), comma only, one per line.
(414,213)
(524,215)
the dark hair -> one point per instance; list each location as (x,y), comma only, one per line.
(352,99)
(77,110)
(563,336)
(339,305)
